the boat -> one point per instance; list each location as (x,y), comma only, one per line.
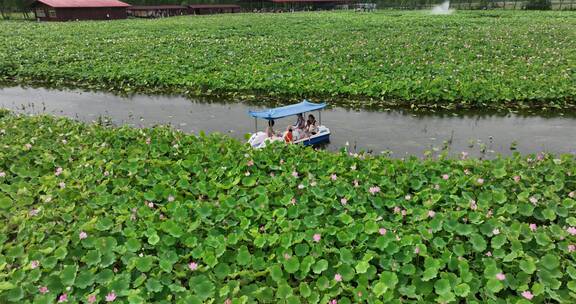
(259,139)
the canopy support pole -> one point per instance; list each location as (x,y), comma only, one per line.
(320,118)
(255,125)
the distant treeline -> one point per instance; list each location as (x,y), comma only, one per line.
(10,9)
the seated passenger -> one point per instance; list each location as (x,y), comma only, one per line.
(269,130)
(311,126)
(300,123)
(288,136)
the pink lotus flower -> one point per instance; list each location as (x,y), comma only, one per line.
(293,201)
(333,177)
(431,213)
(467,171)
(228,301)
(34,264)
(338,277)
(403,212)
(272,174)
(571,230)
(353,167)
(63,298)
(64,141)
(343,201)
(382,231)
(489,254)
(407,197)
(161,216)
(417,250)
(480,181)
(91,299)
(150,204)
(496,231)
(62,185)
(106,173)
(287,256)
(489,213)
(300,186)
(500,276)
(193,266)
(532,227)
(473,205)
(445,176)
(34,212)
(333,301)
(527,295)
(82,235)
(396,209)
(571,248)
(464,155)
(281,161)
(43,289)
(437,187)
(572,194)
(110,297)
(28,146)
(2,174)
(313,184)
(170,198)
(533,200)
(250,163)
(540,157)
(374,190)
(316,237)
(58,171)
(355,182)
(295,174)
(516,178)
(247,173)
(148,140)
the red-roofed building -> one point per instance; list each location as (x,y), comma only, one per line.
(66,10)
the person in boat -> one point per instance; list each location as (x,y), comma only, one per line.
(288,137)
(311,127)
(300,123)
(270,129)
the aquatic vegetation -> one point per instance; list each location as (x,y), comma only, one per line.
(154,215)
(468,59)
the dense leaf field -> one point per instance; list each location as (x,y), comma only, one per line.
(95,214)
(469,58)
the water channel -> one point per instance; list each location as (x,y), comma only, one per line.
(400,133)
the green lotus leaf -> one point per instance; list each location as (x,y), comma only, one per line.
(243,257)
(462,290)
(550,261)
(442,286)
(320,266)
(144,264)
(153,285)
(68,274)
(84,279)
(292,264)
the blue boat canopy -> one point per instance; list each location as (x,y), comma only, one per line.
(275,113)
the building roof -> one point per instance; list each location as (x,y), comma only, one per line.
(155,7)
(82,3)
(213,6)
(311,1)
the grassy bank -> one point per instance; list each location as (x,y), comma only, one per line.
(156,216)
(471,59)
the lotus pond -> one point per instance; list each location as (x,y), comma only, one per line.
(483,134)
(468,59)
(93,213)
